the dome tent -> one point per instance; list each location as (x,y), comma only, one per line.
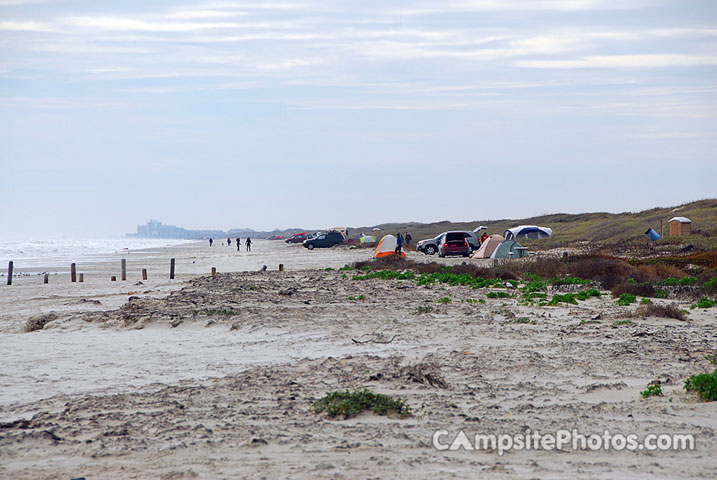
(386,247)
(488,247)
(508,249)
(528,231)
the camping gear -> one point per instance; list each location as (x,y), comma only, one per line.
(367,239)
(488,247)
(652,234)
(482,227)
(508,249)
(528,231)
(387,246)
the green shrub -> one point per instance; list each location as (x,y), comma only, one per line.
(705,303)
(570,298)
(705,385)
(710,286)
(617,323)
(652,391)
(645,301)
(426,309)
(625,299)
(660,294)
(360,297)
(499,295)
(522,320)
(444,300)
(533,286)
(348,404)
(679,281)
(585,294)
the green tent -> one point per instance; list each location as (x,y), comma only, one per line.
(507,247)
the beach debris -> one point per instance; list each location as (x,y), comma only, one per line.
(39,322)
(262,269)
(374,338)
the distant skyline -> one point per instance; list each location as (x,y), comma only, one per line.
(221,114)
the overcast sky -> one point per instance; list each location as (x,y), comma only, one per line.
(321,113)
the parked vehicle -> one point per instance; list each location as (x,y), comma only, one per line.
(453,243)
(324,240)
(430,245)
(298,237)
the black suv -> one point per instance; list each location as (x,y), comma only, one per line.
(325,240)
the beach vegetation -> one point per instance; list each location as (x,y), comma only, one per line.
(588,322)
(652,391)
(444,300)
(360,297)
(425,309)
(705,385)
(703,302)
(625,299)
(618,323)
(521,320)
(349,404)
(499,295)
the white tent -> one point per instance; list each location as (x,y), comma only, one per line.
(528,231)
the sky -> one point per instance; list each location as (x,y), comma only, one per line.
(307,113)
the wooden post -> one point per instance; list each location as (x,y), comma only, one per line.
(73,272)
(113,278)
(214,271)
(171,269)
(9,273)
(144,274)
(662,229)
(46,278)
(82,277)
(281,267)
(124,269)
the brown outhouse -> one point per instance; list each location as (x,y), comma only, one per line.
(679,226)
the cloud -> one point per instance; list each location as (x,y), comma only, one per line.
(26,26)
(624,61)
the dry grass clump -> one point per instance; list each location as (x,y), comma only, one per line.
(39,322)
(637,289)
(609,271)
(661,311)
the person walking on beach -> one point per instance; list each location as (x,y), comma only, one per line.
(248,244)
(408,238)
(210,242)
(229,242)
(399,244)
(238,243)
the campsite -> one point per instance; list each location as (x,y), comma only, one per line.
(585,337)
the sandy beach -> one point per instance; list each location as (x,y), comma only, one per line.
(215,376)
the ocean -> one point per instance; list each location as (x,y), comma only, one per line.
(62,252)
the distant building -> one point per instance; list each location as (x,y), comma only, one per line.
(679,226)
(155,229)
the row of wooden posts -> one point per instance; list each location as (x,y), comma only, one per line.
(74,277)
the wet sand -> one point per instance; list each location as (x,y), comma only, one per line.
(219,376)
